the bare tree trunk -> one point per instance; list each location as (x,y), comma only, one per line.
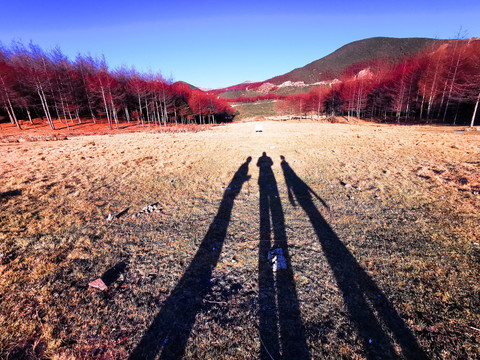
(106,109)
(13,114)
(165,107)
(423,101)
(444,91)
(91,112)
(9,115)
(456,114)
(157,112)
(78,116)
(400,105)
(475,111)
(451,87)
(146,109)
(432,90)
(359,99)
(13,118)
(64,112)
(140,109)
(114,111)
(127,115)
(29,115)
(43,100)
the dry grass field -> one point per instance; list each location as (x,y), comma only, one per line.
(379,226)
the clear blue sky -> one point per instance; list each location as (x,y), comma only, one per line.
(219,43)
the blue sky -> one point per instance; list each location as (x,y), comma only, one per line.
(219,43)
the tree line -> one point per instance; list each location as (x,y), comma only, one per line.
(441,84)
(48,85)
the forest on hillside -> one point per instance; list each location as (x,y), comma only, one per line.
(441,84)
(47,85)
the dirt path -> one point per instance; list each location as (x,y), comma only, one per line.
(379,226)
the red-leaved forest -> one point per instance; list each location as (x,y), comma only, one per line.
(441,84)
(34,83)
(438,85)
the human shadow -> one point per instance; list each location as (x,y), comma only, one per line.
(281,329)
(171,327)
(369,308)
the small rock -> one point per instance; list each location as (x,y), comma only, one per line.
(98,284)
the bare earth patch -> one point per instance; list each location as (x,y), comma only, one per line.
(379,226)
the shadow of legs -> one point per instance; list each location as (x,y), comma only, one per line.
(281,328)
(367,305)
(171,327)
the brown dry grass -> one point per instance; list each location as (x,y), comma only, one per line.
(410,219)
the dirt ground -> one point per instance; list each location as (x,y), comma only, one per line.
(39,130)
(378,224)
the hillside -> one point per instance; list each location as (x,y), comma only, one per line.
(353,55)
(362,51)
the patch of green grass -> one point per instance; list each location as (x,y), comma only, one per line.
(257,109)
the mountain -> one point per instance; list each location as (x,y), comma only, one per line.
(355,56)
(362,51)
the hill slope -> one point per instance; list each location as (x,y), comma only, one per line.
(334,64)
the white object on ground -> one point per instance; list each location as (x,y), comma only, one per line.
(258,128)
(277,259)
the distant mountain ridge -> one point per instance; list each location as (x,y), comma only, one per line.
(192,87)
(359,52)
(334,64)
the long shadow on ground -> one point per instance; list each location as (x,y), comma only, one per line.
(171,327)
(369,309)
(281,329)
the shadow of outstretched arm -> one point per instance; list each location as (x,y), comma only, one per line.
(372,313)
(291,190)
(171,327)
(319,198)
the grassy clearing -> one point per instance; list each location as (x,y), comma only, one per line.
(386,263)
(255,110)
